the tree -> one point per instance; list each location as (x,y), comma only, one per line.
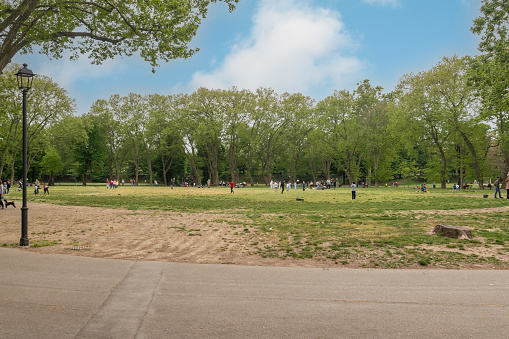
(157,105)
(101,29)
(51,163)
(298,112)
(133,126)
(344,131)
(460,106)
(188,126)
(49,104)
(490,71)
(90,153)
(372,105)
(207,113)
(421,104)
(318,152)
(237,104)
(272,128)
(250,132)
(111,114)
(63,136)
(10,113)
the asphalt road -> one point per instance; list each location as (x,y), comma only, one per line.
(57,296)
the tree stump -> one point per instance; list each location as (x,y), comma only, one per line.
(459,232)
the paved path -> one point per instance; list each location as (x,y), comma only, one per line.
(57,296)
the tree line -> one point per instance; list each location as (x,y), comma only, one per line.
(449,121)
(433,126)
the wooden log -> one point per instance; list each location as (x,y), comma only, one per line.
(459,232)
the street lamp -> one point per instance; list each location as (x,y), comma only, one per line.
(25,78)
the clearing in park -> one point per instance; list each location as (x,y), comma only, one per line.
(386,227)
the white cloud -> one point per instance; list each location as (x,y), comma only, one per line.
(66,72)
(292,47)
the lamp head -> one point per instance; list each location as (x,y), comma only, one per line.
(25,77)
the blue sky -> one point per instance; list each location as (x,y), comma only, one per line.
(307,46)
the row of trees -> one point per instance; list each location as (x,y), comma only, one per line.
(433,126)
(451,119)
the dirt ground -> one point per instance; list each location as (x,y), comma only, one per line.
(201,238)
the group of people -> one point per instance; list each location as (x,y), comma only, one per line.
(327,184)
(497,184)
(3,191)
(114,183)
(5,187)
(111,184)
(44,186)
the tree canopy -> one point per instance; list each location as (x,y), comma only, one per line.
(102,29)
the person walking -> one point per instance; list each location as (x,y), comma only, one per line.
(231,186)
(282,186)
(354,187)
(507,185)
(497,187)
(2,191)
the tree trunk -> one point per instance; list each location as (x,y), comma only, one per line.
(477,168)
(443,183)
(326,168)
(51,181)
(149,163)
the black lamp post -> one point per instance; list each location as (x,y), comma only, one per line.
(25,77)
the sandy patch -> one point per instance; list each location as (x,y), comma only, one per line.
(202,238)
(211,238)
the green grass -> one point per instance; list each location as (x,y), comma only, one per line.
(384,227)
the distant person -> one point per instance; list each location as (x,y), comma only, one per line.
(497,188)
(46,189)
(231,186)
(354,187)
(282,186)
(2,192)
(303,185)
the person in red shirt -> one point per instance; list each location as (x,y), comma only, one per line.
(231,186)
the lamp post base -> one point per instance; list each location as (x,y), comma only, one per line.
(24,229)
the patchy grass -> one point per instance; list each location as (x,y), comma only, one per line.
(383,227)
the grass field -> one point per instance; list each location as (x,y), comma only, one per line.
(383,227)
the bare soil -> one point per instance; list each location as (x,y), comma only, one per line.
(201,238)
